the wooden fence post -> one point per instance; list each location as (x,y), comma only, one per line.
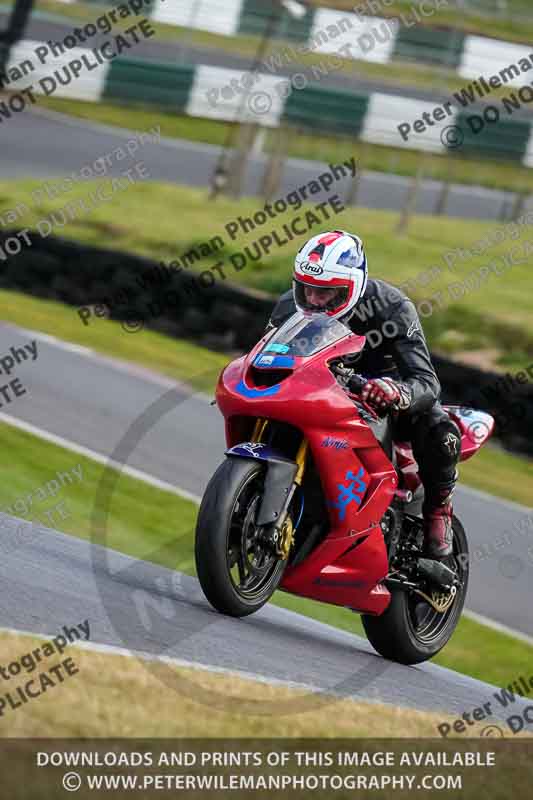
(410,201)
(274,169)
(354,187)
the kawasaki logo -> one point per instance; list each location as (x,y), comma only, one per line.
(313,269)
(338,444)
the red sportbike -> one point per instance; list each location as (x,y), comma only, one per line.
(314,497)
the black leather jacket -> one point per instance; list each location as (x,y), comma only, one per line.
(395,345)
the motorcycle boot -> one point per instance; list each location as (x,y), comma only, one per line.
(437,512)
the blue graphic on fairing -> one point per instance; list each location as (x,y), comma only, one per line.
(348,494)
(277,348)
(241,388)
(278,362)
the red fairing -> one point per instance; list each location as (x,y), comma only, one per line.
(358,479)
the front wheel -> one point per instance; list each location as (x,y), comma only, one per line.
(237,567)
(411,630)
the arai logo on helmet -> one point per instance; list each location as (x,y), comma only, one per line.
(313,269)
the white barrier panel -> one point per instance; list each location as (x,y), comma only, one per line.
(263,103)
(370,38)
(386,112)
(484,57)
(206,15)
(88,85)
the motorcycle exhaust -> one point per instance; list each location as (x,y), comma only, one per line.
(436,572)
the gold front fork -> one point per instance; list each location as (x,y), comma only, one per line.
(285,526)
(301,455)
(287,530)
(301,459)
(259,429)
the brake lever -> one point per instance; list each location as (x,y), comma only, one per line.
(360,381)
(343,375)
(347,378)
(364,406)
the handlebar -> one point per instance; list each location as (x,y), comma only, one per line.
(352,382)
(356,383)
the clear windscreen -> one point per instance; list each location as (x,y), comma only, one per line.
(304,335)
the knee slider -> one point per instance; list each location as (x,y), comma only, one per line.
(445,437)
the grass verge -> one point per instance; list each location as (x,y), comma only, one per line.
(492,317)
(180,360)
(96,702)
(492,470)
(157,526)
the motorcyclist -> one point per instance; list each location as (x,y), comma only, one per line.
(331,276)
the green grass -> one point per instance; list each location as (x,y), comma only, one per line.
(157,526)
(492,470)
(499,473)
(142,520)
(457,168)
(495,319)
(491,173)
(179,359)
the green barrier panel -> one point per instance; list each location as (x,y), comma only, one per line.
(429,46)
(324,109)
(255,16)
(506,139)
(149,82)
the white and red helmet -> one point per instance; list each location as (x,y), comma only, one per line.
(334,260)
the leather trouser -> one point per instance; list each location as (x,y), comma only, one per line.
(436,444)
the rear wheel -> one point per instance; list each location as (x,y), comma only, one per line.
(411,630)
(237,567)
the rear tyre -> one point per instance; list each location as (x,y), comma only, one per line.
(237,570)
(410,630)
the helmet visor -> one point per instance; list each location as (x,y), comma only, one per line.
(309,297)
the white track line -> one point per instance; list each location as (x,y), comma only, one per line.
(147,374)
(114,650)
(186,495)
(180,662)
(168,487)
(132,472)
(497,626)
(490,497)
(139,371)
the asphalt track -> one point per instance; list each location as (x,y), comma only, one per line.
(129,413)
(50,580)
(41,144)
(65,145)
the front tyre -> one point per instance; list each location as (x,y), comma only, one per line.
(237,569)
(410,630)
